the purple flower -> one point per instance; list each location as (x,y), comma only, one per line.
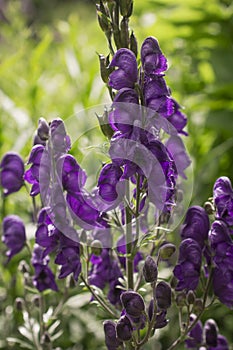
(161,320)
(72,176)
(133,303)
(222,344)
(211,333)
(196,225)
(124,328)
(60,140)
(108,180)
(176,148)
(195,335)
(127,73)
(105,271)
(153,61)
(111,340)
(163,295)
(223,286)
(187,271)
(14,236)
(11,173)
(150,270)
(43,278)
(69,259)
(39,172)
(223,199)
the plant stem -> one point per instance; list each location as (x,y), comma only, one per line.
(129,238)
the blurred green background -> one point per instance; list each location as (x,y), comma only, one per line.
(49,67)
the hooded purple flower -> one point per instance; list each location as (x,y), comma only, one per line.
(111,340)
(59,139)
(72,176)
(187,271)
(127,73)
(11,173)
(163,295)
(153,61)
(133,303)
(223,199)
(196,225)
(108,180)
(43,278)
(211,333)
(105,270)
(124,329)
(195,335)
(223,286)
(221,245)
(39,172)
(14,236)
(69,259)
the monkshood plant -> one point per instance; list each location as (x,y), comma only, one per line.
(113,239)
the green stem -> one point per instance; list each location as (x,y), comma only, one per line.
(129,238)
(100,301)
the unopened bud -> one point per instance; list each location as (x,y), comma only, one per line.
(96,247)
(209,208)
(163,295)
(191,297)
(104,21)
(133,303)
(124,32)
(43,129)
(181,299)
(126,7)
(166,251)
(133,45)
(105,70)
(150,270)
(19,304)
(198,305)
(36,301)
(211,333)
(104,125)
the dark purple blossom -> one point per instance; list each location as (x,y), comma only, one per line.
(72,176)
(59,138)
(108,180)
(69,259)
(223,199)
(187,271)
(150,270)
(14,236)
(223,286)
(11,173)
(111,340)
(39,172)
(124,329)
(222,344)
(127,73)
(163,295)
(195,335)
(177,149)
(133,303)
(43,278)
(153,61)
(211,333)
(196,225)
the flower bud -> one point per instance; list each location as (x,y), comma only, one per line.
(96,247)
(166,251)
(133,303)
(19,304)
(126,7)
(124,33)
(45,338)
(104,21)
(111,340)
(190,297)
(43,129)
(23,267)
(124,329)
(36,301)
(198,305)
(211,333)
(133,45)
(209,208)
(104,125)
(150,270)
(105,70)
(163,295)
(181,299)
(11,173)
